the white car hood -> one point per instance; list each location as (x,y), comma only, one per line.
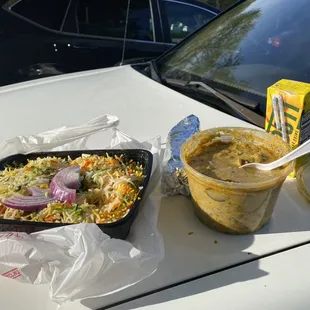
(145,108)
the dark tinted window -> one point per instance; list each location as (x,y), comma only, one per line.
(48,13)
(184,19)
(108,18)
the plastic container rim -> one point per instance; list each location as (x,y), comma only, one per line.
(237,186)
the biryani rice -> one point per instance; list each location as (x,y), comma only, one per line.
(109,187)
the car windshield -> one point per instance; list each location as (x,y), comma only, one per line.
(247,49)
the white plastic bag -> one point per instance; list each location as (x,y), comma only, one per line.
(79,261)
(58,139)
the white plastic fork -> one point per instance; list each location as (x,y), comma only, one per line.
(300,151)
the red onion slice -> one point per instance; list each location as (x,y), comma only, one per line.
(65,183)
(36,202)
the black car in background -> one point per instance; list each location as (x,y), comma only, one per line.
(40,38)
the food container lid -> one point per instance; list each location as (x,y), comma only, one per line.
(303,181)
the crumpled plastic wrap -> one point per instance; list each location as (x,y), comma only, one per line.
(80,261)
(174,179)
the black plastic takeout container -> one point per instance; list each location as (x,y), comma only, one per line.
(119,229)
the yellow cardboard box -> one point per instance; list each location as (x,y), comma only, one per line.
(296,109)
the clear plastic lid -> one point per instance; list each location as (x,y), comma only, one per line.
(303,181)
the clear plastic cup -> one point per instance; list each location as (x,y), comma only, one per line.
(303,181)
(235,208)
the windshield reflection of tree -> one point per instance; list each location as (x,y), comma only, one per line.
(215,47)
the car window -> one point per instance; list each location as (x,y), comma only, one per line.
(108,18)
(247,49)
(184,18)
(48,13)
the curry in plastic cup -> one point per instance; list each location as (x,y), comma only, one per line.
(226,197)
